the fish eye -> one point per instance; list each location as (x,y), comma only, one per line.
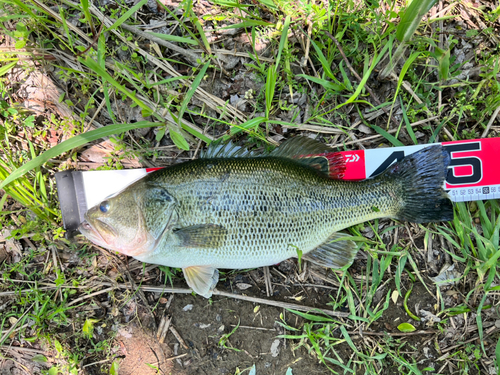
(104,206)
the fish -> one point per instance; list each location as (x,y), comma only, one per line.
(236,209)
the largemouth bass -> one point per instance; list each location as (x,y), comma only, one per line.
(232,209)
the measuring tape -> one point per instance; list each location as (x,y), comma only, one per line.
(473,175)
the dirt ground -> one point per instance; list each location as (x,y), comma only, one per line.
(175,333)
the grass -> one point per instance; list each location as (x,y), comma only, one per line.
(109,66)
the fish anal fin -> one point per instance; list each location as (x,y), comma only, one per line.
(205,235)
(202,279)
(336,252)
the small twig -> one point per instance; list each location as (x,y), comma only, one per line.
(492,120)
(56,268)
(155,289)
(314,128)
(17,292)
(394,334)
(11,329)
(285,305)
(163,329)
(372,137)
(95,363)
(90,296)
(267,279)
(163,321)
(257,328)
(16,330)
(233,53)
(27,350)
(318,286)
(308,43)
(193,57)
(375,98)
(97,111)
(463,343)
(176,357)
(178,337)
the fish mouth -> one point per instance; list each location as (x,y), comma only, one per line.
(88,229)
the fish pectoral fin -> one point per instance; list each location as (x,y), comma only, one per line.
(202,279)
(207,236)
(336,252)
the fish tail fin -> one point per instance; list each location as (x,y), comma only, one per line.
(422,175)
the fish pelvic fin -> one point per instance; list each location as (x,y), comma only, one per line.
(202,279)
(422,177)
(337,251)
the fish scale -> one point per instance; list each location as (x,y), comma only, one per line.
(270,207)
(232,209)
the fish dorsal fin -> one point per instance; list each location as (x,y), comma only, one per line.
(202,279)
(225,149)
(303,150)
(314,154)
(336,252)
(206,236)
(298,146)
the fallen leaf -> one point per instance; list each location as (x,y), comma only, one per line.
(394,296)
(406,327)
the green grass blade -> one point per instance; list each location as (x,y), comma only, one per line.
(249,125)
(367,75)
(412,17)
(323,82)
(90,63)
(386,135)
(409,129)
(5,69)
(479,321)
(196,133)
(177,137)
(443,59)
(192,90)
(72,143)
(283,41)
(86,12)
(324,62)
(199,27)
(434,135)
(231,4)
(347,82)
(497,355)
(270,87)
(268,4)
(127,14)
(314,318)
(247,23)
(173,38)
(405,68)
